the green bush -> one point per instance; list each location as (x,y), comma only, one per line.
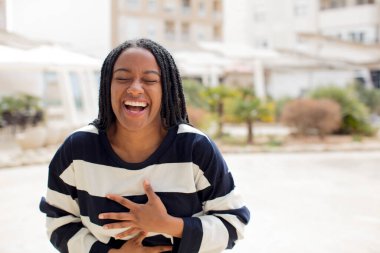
(354,114)
(369,97)
(193,91)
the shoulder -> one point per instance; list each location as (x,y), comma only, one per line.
(202,145)
(83,137)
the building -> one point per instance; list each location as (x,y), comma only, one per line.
(83,26)
(177,24)
(321,42)
(351,20)
(2,14)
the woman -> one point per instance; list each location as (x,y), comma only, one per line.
(140,178)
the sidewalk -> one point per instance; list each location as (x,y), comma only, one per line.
(313,203)
(11,155)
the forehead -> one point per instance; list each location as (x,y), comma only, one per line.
(136,57)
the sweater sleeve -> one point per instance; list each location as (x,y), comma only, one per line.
(224,214)
(64,226)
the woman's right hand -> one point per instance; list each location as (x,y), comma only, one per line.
(135,245)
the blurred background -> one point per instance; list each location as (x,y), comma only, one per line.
(289,90)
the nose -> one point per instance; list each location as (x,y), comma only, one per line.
(135,89)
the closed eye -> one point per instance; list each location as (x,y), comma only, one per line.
(151,81)
(123,79)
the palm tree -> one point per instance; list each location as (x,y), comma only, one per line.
(248,108)
(215,98)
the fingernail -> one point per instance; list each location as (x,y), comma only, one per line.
(105,226)
(101,216)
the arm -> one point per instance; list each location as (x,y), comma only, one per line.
(224,214)
(64,226)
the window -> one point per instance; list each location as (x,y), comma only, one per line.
(217,6)
(129,28)
(217,31)
(151,30)
(169,30)
(300,8)
(261,43)
(169,5)
(76,89)
(201,9)
(186,6)
(337,3)
(51,90)
(131,4)
(152,5)
(185,31)
(259,13)
(360,2)
(357,37)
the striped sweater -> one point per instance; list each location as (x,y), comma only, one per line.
(187,172)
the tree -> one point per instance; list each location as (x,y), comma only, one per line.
(215,98)
(248,108)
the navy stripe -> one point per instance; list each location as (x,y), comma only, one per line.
(60,237)
(242,214)
(52,211)
(177,204)
(58,185)
(99,247)
(191,236)
(231,232)
(217,189)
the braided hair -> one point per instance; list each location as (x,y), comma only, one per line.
(173,106)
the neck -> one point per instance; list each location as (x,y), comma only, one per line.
(135,146)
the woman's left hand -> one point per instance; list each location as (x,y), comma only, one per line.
(151,216)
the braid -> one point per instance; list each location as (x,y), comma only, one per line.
(173,106)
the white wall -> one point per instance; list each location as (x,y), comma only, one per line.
(236,21)
(83,25)
(21,81)
(294,83)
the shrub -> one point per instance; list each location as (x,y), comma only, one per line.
(369,97)
(308,116)
(354,114)
(200,118)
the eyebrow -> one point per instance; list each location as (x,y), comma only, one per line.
(145,72)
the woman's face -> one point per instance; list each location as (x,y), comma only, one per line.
(136,91)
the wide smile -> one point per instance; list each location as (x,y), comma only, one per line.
(135,107)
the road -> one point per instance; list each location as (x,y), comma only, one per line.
(302,202)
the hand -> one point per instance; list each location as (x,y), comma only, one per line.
(135,245)
(151,216)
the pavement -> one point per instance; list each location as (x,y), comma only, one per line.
(300,202)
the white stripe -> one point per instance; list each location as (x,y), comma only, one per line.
(54,223)
(81,241)
(88,128)
(230,201)
(99,232)
(62,201)
(215,235)
(104,235)
(234,221)
(68,175)
(183,128)
(99,180)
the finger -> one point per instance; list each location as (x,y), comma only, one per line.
(122,201)
(149,190)
(125,224)
(160,249)
(127,233)
(117,216)
(140,237)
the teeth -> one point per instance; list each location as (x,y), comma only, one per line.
(134,103)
